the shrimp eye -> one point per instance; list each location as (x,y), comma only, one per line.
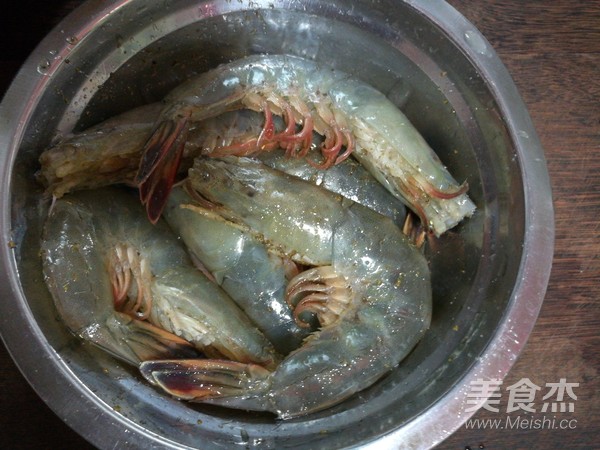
(205,176)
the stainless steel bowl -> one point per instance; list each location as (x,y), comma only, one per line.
(489,274)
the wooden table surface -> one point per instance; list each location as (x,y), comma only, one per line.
(552,50)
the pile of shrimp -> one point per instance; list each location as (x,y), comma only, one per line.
(258,253)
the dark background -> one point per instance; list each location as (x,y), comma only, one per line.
(552,50)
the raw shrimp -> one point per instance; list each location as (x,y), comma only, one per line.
(370,291)
(110,153)
(353,117)
(241,265)
(101,255)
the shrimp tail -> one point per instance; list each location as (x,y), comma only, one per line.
(159,165)
(213,381)
(134,340)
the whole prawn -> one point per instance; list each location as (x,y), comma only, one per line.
(370,290)
(353,117)
(110,153)
(131,288)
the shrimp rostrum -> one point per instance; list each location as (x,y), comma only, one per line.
(369,288)
(353,117)
(131,288)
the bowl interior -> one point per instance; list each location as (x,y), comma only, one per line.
(137,53)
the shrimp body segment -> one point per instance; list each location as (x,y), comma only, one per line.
(369,289)
(124,284)
(353,117)
(349,179)
(241,265)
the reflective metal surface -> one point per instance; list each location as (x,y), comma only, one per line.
(489,274)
